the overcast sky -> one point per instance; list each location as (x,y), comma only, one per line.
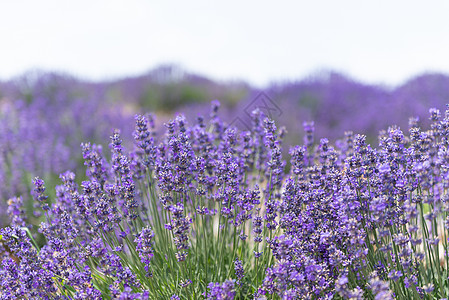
(259,41)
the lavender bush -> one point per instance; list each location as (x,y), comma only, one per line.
(45,116)
(41,131)
(207,212)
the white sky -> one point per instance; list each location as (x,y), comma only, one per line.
(259,41)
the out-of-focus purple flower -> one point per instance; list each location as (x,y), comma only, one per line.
(238,268)
(39,189)
(16,212)
(224,291)
(145,247)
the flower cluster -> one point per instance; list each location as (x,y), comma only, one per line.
(224,291)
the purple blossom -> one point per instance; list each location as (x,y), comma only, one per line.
(224,291)
(144,247)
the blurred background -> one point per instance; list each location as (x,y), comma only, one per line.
(71,71)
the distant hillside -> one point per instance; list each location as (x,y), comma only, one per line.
(333,101)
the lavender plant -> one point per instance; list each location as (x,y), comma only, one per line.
(45,116)
(41,136)
(208,212)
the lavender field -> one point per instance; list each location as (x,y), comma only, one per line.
(174,186)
